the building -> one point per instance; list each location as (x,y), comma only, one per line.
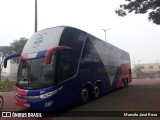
(145,71)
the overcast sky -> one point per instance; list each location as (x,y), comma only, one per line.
(132,33)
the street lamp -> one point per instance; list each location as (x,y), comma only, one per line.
(105,32)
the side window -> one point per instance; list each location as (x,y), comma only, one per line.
(23,74)
(73,38)
(63,65)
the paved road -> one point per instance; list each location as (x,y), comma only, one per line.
(140,95)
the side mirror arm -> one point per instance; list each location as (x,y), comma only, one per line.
(10,57)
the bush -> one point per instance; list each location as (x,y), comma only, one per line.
(7,82)
(7,85)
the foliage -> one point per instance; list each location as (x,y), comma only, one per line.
(5,50)
(7,85)
(7,82)
(137,71)
(17,47)
(152,7)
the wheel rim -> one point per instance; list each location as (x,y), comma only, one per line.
(96,91)
(84,95)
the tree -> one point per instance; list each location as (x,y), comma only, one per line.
(137,71)
(152,7)
(17,47)
(4,51)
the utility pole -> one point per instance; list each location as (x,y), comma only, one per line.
(139,61)
(105,33)
(35,16)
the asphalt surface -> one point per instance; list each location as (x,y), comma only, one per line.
(140,96)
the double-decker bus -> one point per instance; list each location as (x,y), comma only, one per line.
(61,66)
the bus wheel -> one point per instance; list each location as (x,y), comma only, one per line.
(96,91)
(126,82)
(123,83)
(84,95)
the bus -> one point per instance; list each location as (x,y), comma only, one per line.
(62,66)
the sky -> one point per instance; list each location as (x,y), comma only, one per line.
(133,33)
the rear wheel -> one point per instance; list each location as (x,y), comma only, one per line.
(123,83)
(126,82)
(97,91)
(1,102)
(84,95)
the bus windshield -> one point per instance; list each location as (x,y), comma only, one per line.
(35,72)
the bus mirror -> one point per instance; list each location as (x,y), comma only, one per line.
(51,51)
(10,57)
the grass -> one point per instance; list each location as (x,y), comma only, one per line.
(7,82)
(6,85)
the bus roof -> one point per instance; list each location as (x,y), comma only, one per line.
(49,38)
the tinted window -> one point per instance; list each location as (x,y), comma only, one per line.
(63,65)
(73,38)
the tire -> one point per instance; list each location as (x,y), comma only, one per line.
(123,83)
(126,82)
(85,95)
(96,91)
(1,102)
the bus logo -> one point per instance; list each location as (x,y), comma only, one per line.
(38,40)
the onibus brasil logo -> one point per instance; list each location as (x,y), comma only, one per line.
(19,114)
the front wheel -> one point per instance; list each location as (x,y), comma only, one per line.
(1,102)
(84,95)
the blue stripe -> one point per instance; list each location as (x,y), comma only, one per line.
(41,54)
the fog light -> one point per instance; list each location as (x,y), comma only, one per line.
(47,104)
